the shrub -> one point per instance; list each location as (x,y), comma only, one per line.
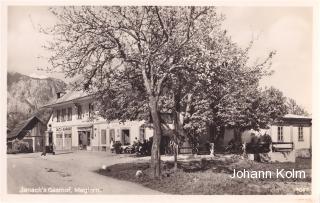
(259,145)
(266,139)
(117,147)
(11,151)
(20,146)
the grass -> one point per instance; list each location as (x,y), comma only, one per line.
(212,177)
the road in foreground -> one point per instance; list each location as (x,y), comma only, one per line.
(68,173)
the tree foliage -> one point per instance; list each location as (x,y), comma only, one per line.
(129,49)
(294,108)
(142,61)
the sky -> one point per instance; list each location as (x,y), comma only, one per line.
(287,30)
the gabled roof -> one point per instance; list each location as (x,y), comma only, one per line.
(22,126)
(68,96)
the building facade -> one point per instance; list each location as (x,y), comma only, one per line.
(74,125)
(294,131)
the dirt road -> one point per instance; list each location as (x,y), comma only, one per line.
(68,173)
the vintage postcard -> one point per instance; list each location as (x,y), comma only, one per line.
(160,99)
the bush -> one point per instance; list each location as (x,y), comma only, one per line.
(266,139)
(233,147)
(259,145)
(11,151)
(20,146)
(117,147)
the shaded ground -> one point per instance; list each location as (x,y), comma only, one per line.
(212,176)
(56,174)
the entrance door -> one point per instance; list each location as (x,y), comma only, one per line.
(59,142)
(67,141)
(84,139)
(125,137)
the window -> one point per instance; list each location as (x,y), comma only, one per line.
(103,137)
(142,134)
(58,115)
(69,114)
(63,116)
(300,133)
(112,135)
(79,111)
(90,109)
(280,133)
(67,135)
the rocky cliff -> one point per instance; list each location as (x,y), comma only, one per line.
(25,95)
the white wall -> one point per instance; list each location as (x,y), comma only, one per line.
(290,134)
(286,133)
(305,144)
(98,124)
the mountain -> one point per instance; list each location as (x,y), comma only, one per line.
(25,95)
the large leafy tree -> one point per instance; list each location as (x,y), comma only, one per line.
(140,61)
(220,89)
(139,45)
(223,90)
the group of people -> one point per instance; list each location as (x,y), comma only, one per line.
(138,147)
(142,148)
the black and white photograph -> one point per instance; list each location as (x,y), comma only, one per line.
(159,99)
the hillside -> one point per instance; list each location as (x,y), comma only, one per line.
(26,94)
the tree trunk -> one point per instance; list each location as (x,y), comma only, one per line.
(237,134)
(176,128)
(175,140)
(220,136)
(155,152)
(175,156)
(44,152)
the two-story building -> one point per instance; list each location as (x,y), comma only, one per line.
(74,125)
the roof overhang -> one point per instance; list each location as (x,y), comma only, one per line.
(72,101)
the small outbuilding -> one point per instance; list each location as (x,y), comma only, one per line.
(31,131)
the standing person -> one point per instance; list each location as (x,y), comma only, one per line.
(135,142)
(135,145)
(144,147)
(149,146)
(111,145)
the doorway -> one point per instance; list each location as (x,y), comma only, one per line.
(84,139)
(125,137)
